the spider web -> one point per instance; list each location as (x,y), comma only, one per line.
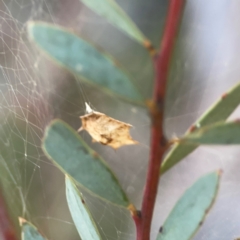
(33,91)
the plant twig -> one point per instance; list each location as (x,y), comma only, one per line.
(7,231)
(158,142)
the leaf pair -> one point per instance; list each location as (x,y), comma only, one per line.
(212,129)
(73,157)
(91,65)
(84,60)
(182,223)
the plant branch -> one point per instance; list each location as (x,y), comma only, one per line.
(7,231)
(158,142)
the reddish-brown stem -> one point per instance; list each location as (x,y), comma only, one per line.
(158,143)
(7,231)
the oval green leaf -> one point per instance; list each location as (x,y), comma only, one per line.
(190,210)
(73,156)
(112,12)
(83,60)
(29,231)
(81,216)
(220,111)
(216,134)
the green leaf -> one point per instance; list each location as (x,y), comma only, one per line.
(83,60)
(71,154)
(81,216)
(215,134)
(117,17)
(29,231)
(190,210)
(220,111)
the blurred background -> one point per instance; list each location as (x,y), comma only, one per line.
(34,90)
